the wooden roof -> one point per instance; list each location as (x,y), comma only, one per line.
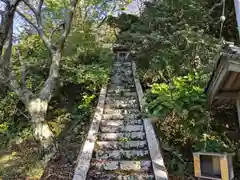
(224,85)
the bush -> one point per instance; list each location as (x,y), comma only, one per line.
(184,124)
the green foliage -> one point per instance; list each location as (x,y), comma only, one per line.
(184,120)
(170,39)
(182,102)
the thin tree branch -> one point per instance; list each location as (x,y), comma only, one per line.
(27,117)
(8,50)
(39,26)
(39,30)
(27,19)
(8,77)
(40,6)
(54,30)
(30,6)
(86,11)
(68,22)
(23,69)
(23,93)
(215,6)
(6,29)
(50,84)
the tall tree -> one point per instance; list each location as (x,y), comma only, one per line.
(37,104)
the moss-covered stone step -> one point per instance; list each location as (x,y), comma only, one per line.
(121,111)
(124,68)
(111,97)
(107,165)
(121,122)
(122,64)
(119,80)
(116,145)
(121,116)
(120,87)
(122,154)
(122,128)
(120,91)
(122,94)
(122,100)
(121,175)
(118,104)
(127,136)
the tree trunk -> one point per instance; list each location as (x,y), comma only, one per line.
(38,109)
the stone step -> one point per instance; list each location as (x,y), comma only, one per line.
(120,74)
(121,64)
(123,86)
(121,111)
(125,70)
(121,116)
(122,154)
(118,96)
(120,81)
(122,128)
(119,105)
(126,136)
(137,166)
(124,101)
(130,88)
(121,175)
(122,94)
(123,73)
(121,122)
(108,145)
(119,91)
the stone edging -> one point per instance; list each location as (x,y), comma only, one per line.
(159,168)
(85,155)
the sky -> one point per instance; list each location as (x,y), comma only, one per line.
(133,8)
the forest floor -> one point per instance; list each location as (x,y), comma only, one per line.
(20,158)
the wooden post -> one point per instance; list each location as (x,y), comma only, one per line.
(197,166)
(237,9)
(238,109)
(224,168)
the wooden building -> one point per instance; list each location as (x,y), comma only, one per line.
(224,85)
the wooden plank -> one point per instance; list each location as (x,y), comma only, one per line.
(227,95)
(238,110)
(197,166)
(230,167)
(224,168)
(211,154)
(219,102)
(216,164)
(228,85)
(237,83)
(235,67)
(218,82)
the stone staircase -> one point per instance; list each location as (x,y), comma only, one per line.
(120,150)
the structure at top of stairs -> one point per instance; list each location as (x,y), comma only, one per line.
(120,144)
(224,85)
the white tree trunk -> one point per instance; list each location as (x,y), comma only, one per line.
(38,109)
